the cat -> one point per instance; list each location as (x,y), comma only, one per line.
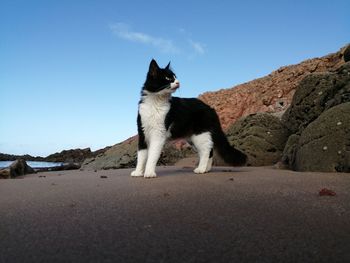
(162,117)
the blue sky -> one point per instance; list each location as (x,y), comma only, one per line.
(71,71)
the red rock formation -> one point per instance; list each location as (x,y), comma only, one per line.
(272,93)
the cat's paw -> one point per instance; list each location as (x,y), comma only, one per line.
(136,173)
(200,170)
(150,175)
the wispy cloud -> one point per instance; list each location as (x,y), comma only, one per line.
(197,47)
(124,31)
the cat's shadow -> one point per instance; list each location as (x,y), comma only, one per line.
(188,170)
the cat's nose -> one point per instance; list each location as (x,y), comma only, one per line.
(177,82)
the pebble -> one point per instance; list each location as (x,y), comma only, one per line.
(339,123)
(325,148)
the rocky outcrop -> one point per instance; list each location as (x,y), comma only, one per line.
(70,156)
(319,122)
(17,168)
(272,93)
(124,155)
(324,145)
(315,94)
(121,155)
(260,136)
(11,157)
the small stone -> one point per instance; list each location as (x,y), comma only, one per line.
(339,152)
(339,123)
(268,132)
(325,148)
(103,176)
(320,93)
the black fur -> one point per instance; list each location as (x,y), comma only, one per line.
(188,116)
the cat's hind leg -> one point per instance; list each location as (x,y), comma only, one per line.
(204,145)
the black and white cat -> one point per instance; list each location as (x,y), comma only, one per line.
(162,117)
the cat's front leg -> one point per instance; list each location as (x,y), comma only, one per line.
(154,151)
(141,163)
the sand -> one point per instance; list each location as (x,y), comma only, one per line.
(230,215)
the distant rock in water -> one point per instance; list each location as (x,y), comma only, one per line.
(70,156)
(17,168)
(11,157)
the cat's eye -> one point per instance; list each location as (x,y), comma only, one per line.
(168,79)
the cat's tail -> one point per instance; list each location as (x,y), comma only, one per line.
(225,150)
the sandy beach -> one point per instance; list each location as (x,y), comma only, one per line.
(229,215)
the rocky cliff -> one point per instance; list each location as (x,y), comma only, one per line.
(272,93)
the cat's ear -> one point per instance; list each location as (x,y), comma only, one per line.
(153,68)
(168,66)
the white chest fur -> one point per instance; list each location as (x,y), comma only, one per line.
(153,111)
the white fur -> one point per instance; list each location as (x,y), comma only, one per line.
(174,85)
(141,163)
(204,144)
(153,110)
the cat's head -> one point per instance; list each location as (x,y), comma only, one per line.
(160,81)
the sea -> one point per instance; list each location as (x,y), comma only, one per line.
(32,164)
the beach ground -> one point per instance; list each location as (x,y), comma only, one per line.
(249,214)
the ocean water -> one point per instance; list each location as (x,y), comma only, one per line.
(32,164)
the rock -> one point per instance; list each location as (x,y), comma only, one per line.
(121,155)
(261,136)
(70,156)
(272,93)
(347,54)
(27,157)
(5,173)
(19,168)
(324,145)
(172,153)
(124,155)
(316,93)
(288,156)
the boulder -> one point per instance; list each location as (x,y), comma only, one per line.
(315,94)
(19,168)
(121,155)
(124,155)
(324,145)
(261,136)
(172,153)
(288,156)
(5,173)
